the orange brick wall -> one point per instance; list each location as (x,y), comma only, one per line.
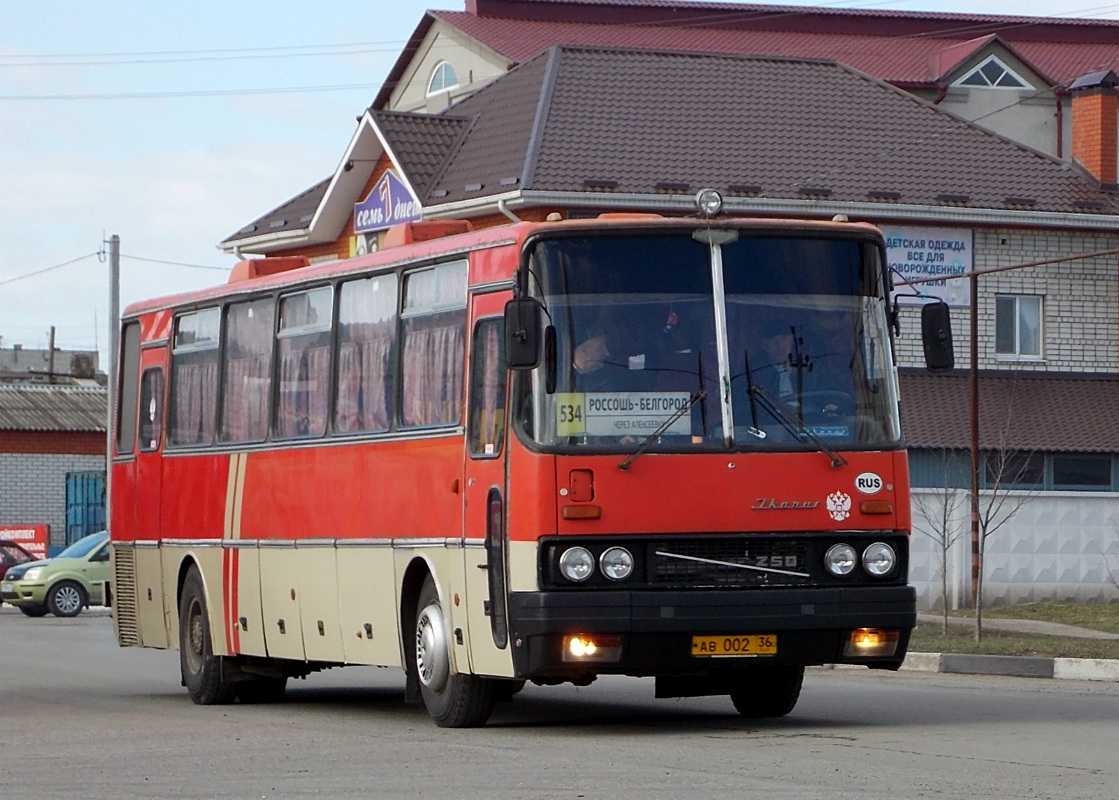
(57,443)
(1095,132)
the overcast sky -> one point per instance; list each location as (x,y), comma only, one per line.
(174,124)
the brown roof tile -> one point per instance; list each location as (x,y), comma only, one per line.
(1034,410)
(793,128)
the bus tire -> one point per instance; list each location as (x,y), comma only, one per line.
(453,700)
(769,691)
(202,670)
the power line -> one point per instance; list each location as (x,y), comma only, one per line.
(174,263)
(46,269)
(198,93)
(115,61)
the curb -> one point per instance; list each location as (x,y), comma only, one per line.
(1077,669)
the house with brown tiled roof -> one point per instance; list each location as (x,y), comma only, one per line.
(1008,74)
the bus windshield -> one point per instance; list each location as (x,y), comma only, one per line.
(722,339)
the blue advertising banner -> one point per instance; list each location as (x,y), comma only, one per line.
(388,203)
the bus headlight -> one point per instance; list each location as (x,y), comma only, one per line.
(616,563)
(840,559)
(576,564)
(879,559)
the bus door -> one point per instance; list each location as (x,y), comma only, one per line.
(484,541)
(149,444)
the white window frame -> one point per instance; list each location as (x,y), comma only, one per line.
(440,71)
(978,69)
(1017,354)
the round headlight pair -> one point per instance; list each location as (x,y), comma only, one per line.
(878,559)
(577,564)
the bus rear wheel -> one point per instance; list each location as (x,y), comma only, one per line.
(202,670)
(453,700)
(769,691)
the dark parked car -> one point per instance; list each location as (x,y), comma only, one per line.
(12,553)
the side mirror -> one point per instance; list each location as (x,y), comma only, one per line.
(522,333)
(936,336)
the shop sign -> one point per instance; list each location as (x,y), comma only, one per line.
(34,538)
(936,253)
(389,203)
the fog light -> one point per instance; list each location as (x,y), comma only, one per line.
(879,559)
(840,559)
(865,642)
(592,647)
(616,563)
(576,564)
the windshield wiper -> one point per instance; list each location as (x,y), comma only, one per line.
(652,437)
(794,426)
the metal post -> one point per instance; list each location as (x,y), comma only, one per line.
(976,563)
(114,346)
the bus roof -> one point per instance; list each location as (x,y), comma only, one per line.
(511,235)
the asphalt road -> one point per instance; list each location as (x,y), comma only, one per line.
(80,717)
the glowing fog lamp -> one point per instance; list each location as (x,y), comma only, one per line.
(879,559)
(709,202)
(616,563)
(592,647)
(840,559)
(868,642)
(576,564)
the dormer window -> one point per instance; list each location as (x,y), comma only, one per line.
(992,74)
(443,79)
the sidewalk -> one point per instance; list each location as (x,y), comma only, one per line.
(1083,669)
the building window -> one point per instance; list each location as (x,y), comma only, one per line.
(1007,468)
(1081,472)
(1018,325)
(443,78)
(992,74)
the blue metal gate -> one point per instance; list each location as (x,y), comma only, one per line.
(85,504)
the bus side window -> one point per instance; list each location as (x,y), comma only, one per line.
(487,388)
(151,409)
(247,375)
(433,338)
(126,402)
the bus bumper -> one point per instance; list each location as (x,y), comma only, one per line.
(655,630)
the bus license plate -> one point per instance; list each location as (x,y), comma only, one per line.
(758,644)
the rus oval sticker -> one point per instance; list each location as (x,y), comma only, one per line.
(868,483)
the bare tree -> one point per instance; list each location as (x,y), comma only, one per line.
(938,508)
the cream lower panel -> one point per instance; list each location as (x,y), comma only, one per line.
(280,569)
(153,622)
(446,565)
(486,658)
(248,615)
(368,604)
(319,602)
(207,556)
(522,567)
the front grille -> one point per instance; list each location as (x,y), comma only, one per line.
(124,597)
(729,562)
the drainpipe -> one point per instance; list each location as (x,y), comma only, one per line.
(943,93)
(504,209)
(1059,93)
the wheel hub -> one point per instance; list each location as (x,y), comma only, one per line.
(432,658)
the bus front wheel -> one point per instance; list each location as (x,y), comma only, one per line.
(453,700)
(202,670)
(767,691)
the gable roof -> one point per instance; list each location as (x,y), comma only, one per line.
(28,407)
(1035,410)
(608,128)
(905,48)
(576,119)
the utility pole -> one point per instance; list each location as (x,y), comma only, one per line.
(50,358)
(114,345)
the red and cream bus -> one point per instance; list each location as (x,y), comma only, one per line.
(406,459)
